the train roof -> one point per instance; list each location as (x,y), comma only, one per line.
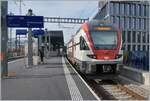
(103,23)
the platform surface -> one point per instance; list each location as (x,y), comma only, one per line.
(49,81)
(137,75)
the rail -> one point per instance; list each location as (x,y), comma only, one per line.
(14,58)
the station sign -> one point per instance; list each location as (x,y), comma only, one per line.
(36,33)
(21,31)
(25,21)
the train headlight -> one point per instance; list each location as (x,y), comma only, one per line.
(118,56)
(92,56)
(106,57)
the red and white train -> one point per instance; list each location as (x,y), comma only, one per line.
(96,47)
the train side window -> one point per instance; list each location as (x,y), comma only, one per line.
(83,44)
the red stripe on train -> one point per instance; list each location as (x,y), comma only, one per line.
(102,54)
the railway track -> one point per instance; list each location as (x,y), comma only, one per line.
(111,88)
(114,90)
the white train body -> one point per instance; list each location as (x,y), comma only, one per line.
(88,56)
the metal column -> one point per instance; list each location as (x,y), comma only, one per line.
(30,47)
(3,39)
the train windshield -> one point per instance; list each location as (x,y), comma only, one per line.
(104,39)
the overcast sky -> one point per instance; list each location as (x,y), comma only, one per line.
(55,8)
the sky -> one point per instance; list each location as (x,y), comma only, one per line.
(56,8)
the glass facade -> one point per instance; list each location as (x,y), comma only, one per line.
(137,10)
(139,38)
(147,38)
(122,22)
(128,48)
(144,10)
(147,11)
(134,48)
(133,19)
(144,37)
(123,36)
(116,8)
(140,23)
(127,9)
(114,21)
(139,47)
(134,37)
(126,23)
(122,9)
(130,9)
(130,23)
(137,23)
(140,10)
(134,10)
(129,37)
(144,48)
(111,8)
(117,21)
(145,24)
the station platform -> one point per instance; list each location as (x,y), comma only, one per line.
(139,76)
(53,80)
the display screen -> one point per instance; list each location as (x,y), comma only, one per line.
(102,28)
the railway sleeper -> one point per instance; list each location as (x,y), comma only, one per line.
(132,93)
(109,86)
(138,90)
(118,93)
(112,89)
(124,97)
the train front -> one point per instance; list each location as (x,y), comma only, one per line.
(105,43)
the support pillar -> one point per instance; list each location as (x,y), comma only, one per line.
(3,39)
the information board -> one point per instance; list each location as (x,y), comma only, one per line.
(25,21)
(21,31)
(38,32)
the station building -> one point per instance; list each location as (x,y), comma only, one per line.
(56,39)
(52,41)
(132,17)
